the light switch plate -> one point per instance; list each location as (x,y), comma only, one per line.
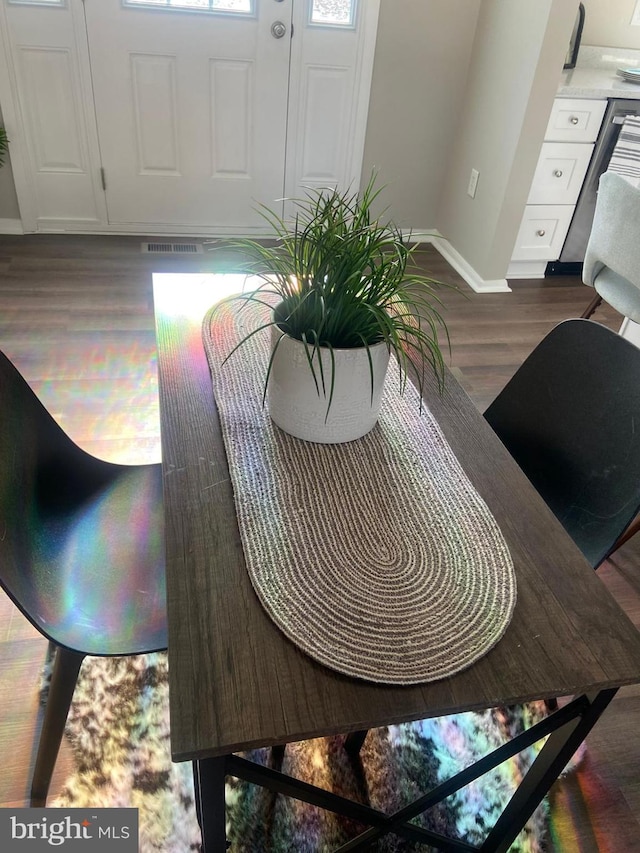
(635,18)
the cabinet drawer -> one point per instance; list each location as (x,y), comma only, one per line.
(575,120)
(560,172)
(542,232)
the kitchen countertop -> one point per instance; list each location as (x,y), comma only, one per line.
(595,74)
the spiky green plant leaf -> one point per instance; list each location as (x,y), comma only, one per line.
(4,145)
(344,279)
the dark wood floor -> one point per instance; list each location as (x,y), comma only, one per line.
(76,317)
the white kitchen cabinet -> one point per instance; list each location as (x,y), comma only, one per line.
(560,172)
(572,130)
(542,232)
(575,120)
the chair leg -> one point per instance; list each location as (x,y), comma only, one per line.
(631,530)
(591,307)
(277,754)
(63,682)
(51,652)
(354,741)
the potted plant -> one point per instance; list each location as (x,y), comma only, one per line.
(4,145)
(343,294)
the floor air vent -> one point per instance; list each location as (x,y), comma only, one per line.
(172,248)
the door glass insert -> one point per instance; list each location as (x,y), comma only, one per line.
(37,2)
(333,13)
(242,7)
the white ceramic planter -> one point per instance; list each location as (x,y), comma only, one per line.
(297,408)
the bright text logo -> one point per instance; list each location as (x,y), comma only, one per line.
(33,830)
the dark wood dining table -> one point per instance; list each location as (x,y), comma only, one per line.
(237,683)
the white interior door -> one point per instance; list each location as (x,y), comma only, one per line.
(191,108)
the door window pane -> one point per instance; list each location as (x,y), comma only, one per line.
(335,13)
(37,2)
(238,6)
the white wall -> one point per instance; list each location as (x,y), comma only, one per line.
(422,55)
(607,22)
(419,77)
(516,64)
(445,98)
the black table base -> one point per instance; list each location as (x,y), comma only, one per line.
(567,728)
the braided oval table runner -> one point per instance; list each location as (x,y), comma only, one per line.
(377,557)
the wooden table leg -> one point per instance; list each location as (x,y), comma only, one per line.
(209,778)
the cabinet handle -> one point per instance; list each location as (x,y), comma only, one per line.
(541,232)
(574,119)
(558,173)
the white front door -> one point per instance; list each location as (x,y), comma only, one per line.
(181,116)
(191,107)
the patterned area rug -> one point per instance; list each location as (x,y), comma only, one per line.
(119,731)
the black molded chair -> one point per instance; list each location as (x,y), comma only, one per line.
(81,552)
(570,417)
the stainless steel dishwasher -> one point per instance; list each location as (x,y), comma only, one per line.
(577,237)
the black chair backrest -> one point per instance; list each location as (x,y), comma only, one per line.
(43,476)
(571,419)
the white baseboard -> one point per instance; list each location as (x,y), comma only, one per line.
(11,226)
(527,269)
(460,265)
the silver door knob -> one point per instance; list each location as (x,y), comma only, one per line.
(558,173)
(278,29)
(574,119)
(541,232)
